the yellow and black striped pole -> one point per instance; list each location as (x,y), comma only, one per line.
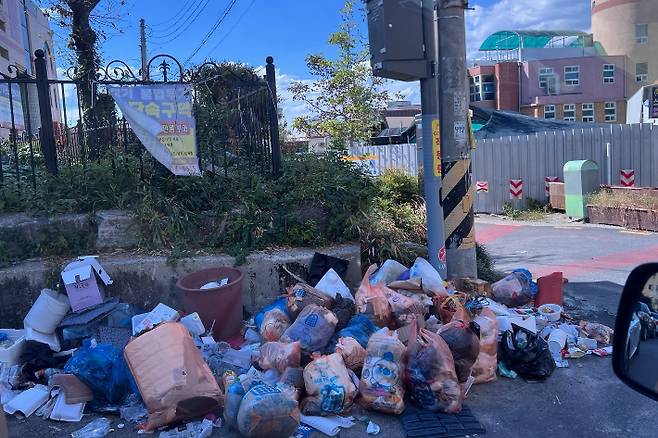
(457,191)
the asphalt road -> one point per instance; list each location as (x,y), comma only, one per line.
(584,400)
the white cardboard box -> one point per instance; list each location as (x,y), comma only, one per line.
(85,281)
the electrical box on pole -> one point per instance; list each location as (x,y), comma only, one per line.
(395,34)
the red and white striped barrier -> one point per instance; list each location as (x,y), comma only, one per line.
(515,188)
(482,186)
(628,177)
(549,180)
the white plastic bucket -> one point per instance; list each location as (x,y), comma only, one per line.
(47,311)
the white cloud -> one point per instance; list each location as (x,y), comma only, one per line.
(524,14)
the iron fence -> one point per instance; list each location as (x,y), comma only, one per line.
(48,126)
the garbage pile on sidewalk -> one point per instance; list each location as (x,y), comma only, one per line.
(315,356)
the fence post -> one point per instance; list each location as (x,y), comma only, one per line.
(46,136)
(274,117)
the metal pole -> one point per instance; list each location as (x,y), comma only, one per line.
(608,154)
(457,190)
(274,117)
(47,136)
(429,97)
(142,47)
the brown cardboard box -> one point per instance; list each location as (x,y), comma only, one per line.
(173,379)
(85,281)
(474,286)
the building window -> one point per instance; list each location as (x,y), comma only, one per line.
(641,33)
(572,75)
(570,112)
(3,26)
(547,81)
(611,111)
(474,89)
(482,87)
(549,111)
(588,112)
(608,73)
(641,72)
(4,53)
(488,89)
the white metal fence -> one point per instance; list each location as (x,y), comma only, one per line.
(393,156)
(533,158)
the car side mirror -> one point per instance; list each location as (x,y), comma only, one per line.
(635,342)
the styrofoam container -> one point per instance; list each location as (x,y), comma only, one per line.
(551,312)
(47,311)
(11,356)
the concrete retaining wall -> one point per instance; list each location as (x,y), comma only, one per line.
(148,280)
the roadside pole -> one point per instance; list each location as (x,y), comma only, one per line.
(457,191)
(429,92)
(142,49)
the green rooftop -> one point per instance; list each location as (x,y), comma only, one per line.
(530,39)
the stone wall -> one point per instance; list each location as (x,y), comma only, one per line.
(148,280)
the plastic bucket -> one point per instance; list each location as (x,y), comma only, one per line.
(47,311)
(221,305)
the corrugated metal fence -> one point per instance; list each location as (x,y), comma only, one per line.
(533,158)
(392,156)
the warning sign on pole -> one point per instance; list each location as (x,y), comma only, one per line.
(482,186)
(515,188)
(628,177)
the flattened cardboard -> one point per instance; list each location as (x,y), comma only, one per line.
(173,379)
(74,390)
(27,402)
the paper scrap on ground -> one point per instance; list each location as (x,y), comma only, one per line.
(327,425)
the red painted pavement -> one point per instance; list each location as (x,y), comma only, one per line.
(488,233)
(619,260)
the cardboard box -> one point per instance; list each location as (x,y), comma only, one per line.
(474,286)
(85,281)
(173,379)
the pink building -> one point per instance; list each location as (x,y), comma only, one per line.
(552,75)
(24,28)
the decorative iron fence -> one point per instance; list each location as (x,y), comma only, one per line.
(50,123)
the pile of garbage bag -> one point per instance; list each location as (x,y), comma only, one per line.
(403,336)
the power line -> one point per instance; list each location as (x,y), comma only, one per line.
(173,18)
(212,30)
(244,13)
(179,30)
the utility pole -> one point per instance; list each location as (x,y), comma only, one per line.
(457,191)
(431,142)
(142,46)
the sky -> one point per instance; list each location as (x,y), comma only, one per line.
(250,30)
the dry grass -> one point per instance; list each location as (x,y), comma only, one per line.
(625,199)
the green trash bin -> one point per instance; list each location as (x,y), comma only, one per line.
(581,179)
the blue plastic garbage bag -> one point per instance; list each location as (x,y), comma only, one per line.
(103,369)
(360,328)
(277,304)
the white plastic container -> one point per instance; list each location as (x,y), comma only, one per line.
(47,311)
(556,342)
(11,355)
(552,312)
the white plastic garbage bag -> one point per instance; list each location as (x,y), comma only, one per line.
(431,279)
(331,284)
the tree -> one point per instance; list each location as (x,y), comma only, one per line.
(79,16)
(345,99)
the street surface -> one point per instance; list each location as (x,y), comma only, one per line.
(584,400)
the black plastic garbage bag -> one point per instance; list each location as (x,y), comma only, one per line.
(526,353)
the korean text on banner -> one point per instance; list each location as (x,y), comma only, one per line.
(161,117)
